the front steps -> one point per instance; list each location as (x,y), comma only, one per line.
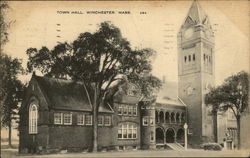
(175,146)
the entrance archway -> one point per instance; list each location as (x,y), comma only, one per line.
(180,136)
(170,136)
(159,136)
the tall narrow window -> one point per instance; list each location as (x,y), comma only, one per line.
(185,59)
(100,120)
(125,110)
(120,131)
(145,121)
(33,115)
(125,131)
(130,110)
(130,131)
(120,110)
(135,111)
(193,57)
(204,57)
(189,57)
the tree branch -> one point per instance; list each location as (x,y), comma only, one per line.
(233,111)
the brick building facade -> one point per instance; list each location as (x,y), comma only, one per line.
(55,114)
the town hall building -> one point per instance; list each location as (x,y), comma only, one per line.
(55,113)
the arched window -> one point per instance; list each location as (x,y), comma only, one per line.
(182,117)
(156,116)
(33,116)
(167,116)
(172,117)
(177,117)
(161,117)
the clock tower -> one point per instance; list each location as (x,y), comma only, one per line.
(196,72)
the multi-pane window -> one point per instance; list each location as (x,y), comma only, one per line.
(145,121)
(125,110)
(120,110)
(130,131)
(120,132)
(130,110)
(33,117)
(127,131)
(134,111)
(88,119)
(67,119)
(107,120)
(100,120)
(80,119)
(58,118)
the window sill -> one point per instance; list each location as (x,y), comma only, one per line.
(80,124)
(126,138)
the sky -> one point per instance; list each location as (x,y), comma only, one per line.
(36,26)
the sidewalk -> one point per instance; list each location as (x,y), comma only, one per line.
(12,153)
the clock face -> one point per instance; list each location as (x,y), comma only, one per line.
(188,33)
(207,33)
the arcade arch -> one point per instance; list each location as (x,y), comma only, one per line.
(170,135)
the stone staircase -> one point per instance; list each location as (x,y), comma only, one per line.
(175,146)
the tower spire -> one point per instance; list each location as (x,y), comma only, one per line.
(196,13)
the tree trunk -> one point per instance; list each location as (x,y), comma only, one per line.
(10,131)
(95,118)
(215,126)
(238,131)
(95,129)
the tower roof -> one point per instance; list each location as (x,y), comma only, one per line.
(196,13)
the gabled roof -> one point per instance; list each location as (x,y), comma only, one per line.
(66,94)
(168,95)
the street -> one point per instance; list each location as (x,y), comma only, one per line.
(12,153)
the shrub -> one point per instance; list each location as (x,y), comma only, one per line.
(211,146)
